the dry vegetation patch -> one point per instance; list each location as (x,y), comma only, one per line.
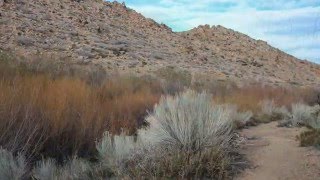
(56,124)
(310,138)
(249,97)
(43,116)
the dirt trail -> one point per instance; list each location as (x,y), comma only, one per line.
(275,155)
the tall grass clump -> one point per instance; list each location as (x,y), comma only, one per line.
(188,122)
(270,111)
(303,114)
(74,169)
(187,137)
(114,152)
(240,119)
(311,137)
(308,116)
(46,169)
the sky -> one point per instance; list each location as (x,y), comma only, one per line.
(290,25)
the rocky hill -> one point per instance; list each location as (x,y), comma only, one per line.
(120,39)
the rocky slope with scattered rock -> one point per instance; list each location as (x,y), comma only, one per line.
(119,39)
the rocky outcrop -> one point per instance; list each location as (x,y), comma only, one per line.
(120,39)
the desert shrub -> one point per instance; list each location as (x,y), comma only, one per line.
(188,121)
(74,169)
(239,119)
(242,119)
(314,123)
(303,114)
(271,112)
(114,151)
(12,167)
(46,169)
(309,116)
(187,137)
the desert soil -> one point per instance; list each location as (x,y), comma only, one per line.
(274,154)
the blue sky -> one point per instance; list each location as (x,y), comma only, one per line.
(290,25)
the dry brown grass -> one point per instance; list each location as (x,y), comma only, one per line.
(59,114)
(310,138)
(60,117)
(250,97)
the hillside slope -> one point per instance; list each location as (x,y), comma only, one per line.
(120,39)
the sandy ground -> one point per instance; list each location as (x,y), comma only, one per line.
(274,154)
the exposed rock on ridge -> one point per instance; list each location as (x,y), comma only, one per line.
(120,39)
